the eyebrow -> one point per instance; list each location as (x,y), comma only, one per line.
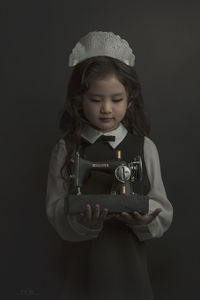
(99,95)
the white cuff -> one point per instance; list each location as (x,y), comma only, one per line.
(68,227)
(141,231)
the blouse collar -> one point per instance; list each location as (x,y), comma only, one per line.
(91,134)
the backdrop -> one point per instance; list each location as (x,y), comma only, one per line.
(165,39)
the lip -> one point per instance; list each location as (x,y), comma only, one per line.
(105,119)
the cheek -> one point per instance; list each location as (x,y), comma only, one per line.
(89,110)
(122,110)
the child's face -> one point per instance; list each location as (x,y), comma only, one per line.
(102,107)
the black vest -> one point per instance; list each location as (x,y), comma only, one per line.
(113,265)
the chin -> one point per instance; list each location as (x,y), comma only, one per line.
(108,128)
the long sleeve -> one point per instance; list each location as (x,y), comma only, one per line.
(66,225)
(157,197)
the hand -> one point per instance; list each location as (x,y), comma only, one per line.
(93,219)
(136,218)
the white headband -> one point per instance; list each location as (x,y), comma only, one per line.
(101,43)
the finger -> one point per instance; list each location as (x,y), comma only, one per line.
(155,212)
(124,216)
(88,213)
(104,214)
(137,215)
(96,211)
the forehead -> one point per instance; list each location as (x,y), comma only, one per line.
(106,86)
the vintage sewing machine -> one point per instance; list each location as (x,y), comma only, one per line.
(121,197)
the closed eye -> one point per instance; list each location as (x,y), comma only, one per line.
(116,100)
(94,100)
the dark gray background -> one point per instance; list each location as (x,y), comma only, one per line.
(165,39)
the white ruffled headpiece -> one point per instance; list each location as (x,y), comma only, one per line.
(101,43)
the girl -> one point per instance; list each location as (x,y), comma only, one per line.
(104,253)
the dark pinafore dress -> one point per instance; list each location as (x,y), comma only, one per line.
(112,266)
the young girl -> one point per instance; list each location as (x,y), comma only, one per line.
(104,253)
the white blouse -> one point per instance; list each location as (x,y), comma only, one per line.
(66,225)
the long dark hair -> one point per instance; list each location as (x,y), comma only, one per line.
(72,119)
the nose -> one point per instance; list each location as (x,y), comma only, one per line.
(106,107)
